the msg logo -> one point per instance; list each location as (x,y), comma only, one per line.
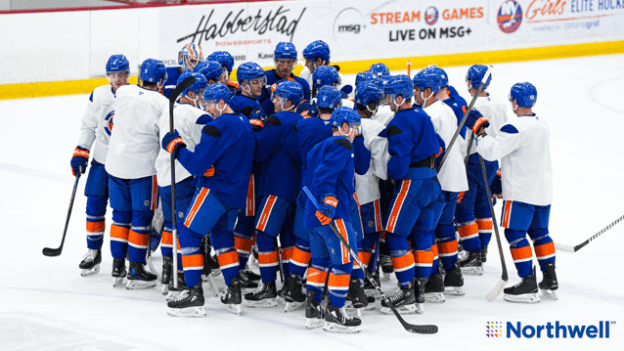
(355,28)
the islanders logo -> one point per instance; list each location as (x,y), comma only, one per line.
(494,329)
(509,16)
(431,15)
(109,122)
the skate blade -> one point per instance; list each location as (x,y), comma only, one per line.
(408,309)
(91,271)
(189,312)
(313,323)
(139,284)
(280,300)
(551,294)
(117,281)
(436,297)
(293,306)
(454,290)
(472,270)
(234,308)
(265,303)
(165,289)
(523,298)
(336,328)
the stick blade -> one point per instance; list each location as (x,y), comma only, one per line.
(50,252)
(498,289)
(422,329)
(564,248)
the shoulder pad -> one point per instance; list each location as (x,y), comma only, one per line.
(394,130)
(509,129)
(273,121)
(359,136)
(212,131)
(295,127)
(203,119)
(247,111)
(344,143)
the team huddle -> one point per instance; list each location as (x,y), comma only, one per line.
(297,174)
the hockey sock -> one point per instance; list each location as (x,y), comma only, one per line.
(402,258)
(223,244)
(485,230)
(435,266)
(447,245)
(192,258)
(423,256)
(300,258)
(166,242)
(287,252)
(317,276)
(119,233)
(338,283)
(243,245)
(96,226)
(369,244)
(268,259)
(520,251)
(138,238)
(543,246)
(469,236)
(357,272)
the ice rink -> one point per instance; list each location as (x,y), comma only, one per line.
(46,305)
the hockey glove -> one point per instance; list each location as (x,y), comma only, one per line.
(172,143)
(79,161)
(497,186)
(327,210)
(476,121)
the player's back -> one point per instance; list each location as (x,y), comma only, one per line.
(102,110)
(306,134)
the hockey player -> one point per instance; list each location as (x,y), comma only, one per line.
(379,70)
(132,176)
(523,147)
(473,217)
(316,54)
(330,179)
(452,178)
(212,71)
(222,163)
(413,146)
(227,61)
(188,58)
(96,126)
(278,189)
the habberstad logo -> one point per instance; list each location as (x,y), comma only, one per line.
(550,330)
(509,16)
(431,15)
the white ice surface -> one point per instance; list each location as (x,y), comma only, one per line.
(46,305)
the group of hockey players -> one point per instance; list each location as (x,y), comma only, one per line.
(292,172)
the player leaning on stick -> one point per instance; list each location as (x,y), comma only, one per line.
(527,185)
(96,126)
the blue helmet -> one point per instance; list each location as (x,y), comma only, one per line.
(200,82)
(328,97)
(216,92)
(210,69)
(285,50)
(190,52)
(363,77)
(117,63)
(224,58)
(443,77)
(344,114)
(475,75)
(525,94)
(428,78)
(317,49)
(379,69)
(368,92)
(153,70)
(399,85)
(248,71)
(289,90)
(325,75)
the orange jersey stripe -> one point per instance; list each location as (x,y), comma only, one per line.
(268,258)
(167,238)
(243,244)
(448,248)
(120,233)
(287,254)
(506,213)
(316,277)
(228,259)
(137,239)
(423,258)
(377,208)
(342,229)
(398,205)
(199,200)
(250,210)
(340,281)
(300,257)
(484,224)
(96,227)
(266,212)
(544,250)
(365,257)
(403,263)
(193,261)
(468,231)
(521,254)
(154,193)
(434,250)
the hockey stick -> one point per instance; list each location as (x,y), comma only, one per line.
(409,69)
(279,257)
(412,328)
(172,99)
(492,295)
(463,121)
(50,252)
(569,248)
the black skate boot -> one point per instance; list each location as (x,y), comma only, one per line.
(188,303)
(248,279)
(419,291)
(263,297)
(211,264)
(337,320)
(523,292)
(173,292)
(434,289)
(293,296)
(484,251)
(119,271)
(356,297)
(315,316)
(166,274)
(472,263)
(385,262)
(369,288)
(232,297)
(403,300)
(139,278)
(549,282)
(454,281)
(90,263)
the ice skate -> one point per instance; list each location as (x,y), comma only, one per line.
(173,292)
(549,282)
(211,264)
(90,264)
(263,297)
(119,271)
(369,288)
(253,257)
(139,278)
(434,289)
(356,298)
(232,297)
(484,251)
(403,300)
(523,292)
(248,279)
(385,262)
(419,292)
(166,274)
(293,296)
(472,264)
(337,320)
(315,316)
(189,303)
(454,281)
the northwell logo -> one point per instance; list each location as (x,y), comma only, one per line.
(549,330)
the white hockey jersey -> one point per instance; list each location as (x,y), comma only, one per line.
(496,110)
(135,143)
(185,122)
(452,176)
(524,149)
(97,121)
(384,115)
(367,185)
